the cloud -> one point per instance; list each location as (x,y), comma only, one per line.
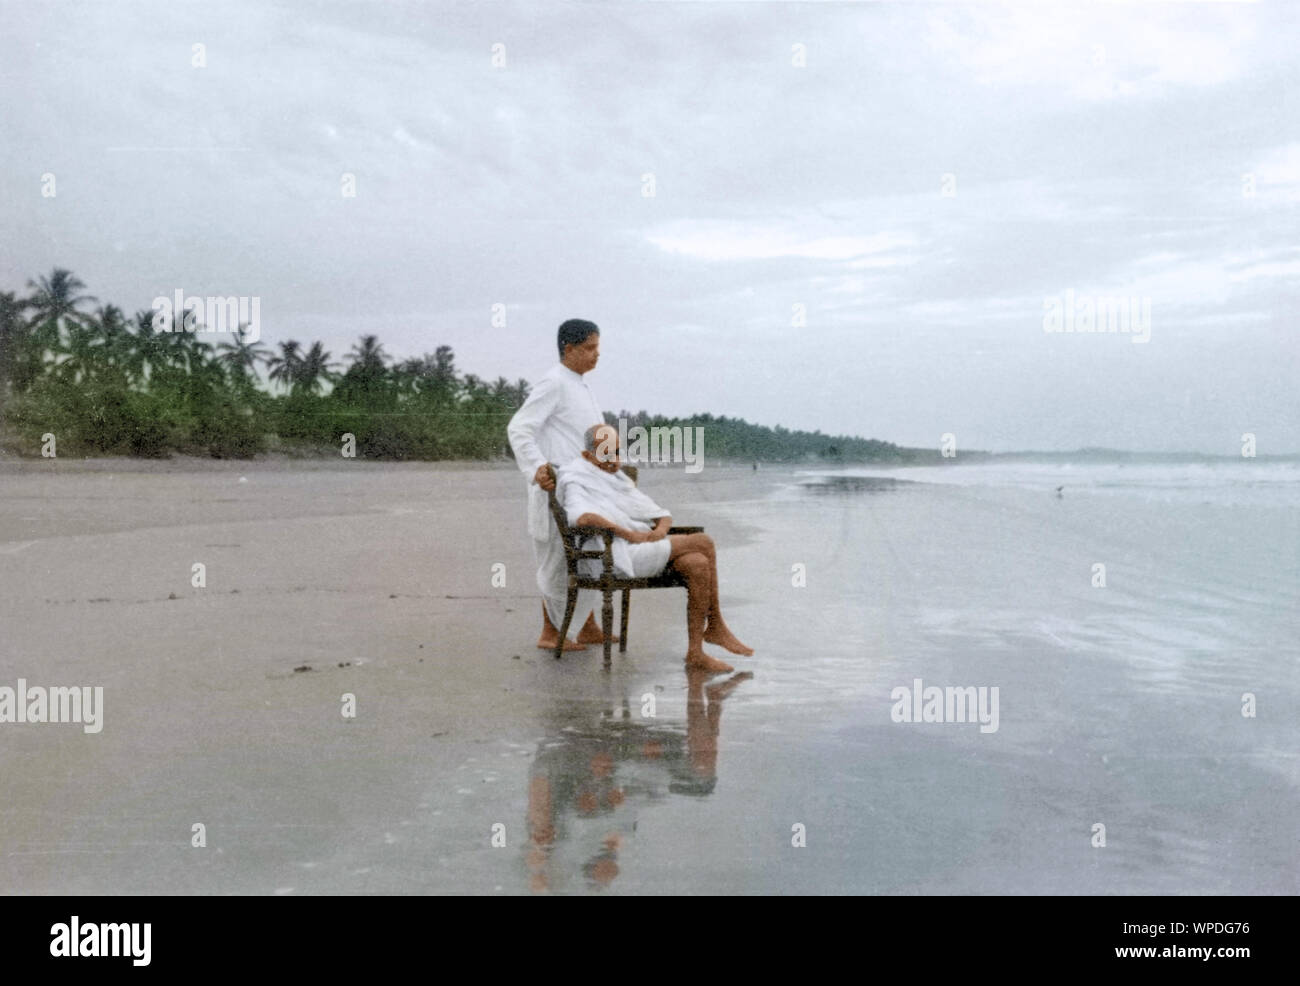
(730,241)
(1094,53)
(1277,176)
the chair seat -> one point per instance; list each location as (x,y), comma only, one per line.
(670,578)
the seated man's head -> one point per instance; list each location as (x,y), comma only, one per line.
(602,447)
(579,343)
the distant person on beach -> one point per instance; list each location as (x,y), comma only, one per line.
(549,428)
(594,492)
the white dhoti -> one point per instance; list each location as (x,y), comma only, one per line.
(648,559)
(552,572)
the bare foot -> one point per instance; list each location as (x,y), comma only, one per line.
(725,639)
(544,644)
(700,661)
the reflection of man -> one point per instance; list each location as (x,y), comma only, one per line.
(549,428)
(703,722)
(595,493)
(575,781)
(577,798)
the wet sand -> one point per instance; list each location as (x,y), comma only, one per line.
(1118,706)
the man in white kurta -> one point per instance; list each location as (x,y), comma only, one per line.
(549,428)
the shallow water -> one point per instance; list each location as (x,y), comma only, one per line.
(1119,705)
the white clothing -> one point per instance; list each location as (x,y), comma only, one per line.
(585,489)
(551,427)
(648,559)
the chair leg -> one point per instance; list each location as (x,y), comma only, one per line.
(569,607)
(607,621)
(622,621)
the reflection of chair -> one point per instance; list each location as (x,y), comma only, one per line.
(609,581)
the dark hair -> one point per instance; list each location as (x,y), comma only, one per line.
(574,332)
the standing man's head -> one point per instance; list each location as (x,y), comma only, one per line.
(579,344)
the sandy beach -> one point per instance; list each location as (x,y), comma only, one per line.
(1119,706)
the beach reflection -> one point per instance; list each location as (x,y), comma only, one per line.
(587,786)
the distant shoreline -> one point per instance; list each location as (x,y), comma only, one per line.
(13,462)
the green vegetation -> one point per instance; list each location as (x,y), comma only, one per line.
(106,384)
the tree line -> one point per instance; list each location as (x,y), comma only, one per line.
(108,384)
(105,383)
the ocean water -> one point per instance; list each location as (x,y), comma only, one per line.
(1147,739)
(1225,481)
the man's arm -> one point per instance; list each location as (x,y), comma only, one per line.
(524,426)
(596,520)
(661,529)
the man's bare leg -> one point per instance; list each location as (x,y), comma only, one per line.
(716,630)
(694,568)
(551,636)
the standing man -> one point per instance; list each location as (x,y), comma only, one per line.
(550,427)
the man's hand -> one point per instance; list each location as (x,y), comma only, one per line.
(660,529)
(635,537)
(544,478)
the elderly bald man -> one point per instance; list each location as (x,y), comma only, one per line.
(595,493)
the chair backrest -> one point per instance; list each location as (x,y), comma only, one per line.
(561,521)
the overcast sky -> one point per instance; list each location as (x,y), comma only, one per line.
(1098,149)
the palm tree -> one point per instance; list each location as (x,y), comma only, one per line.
(285,368)
(432,375)
(509,396)
(444,368)
(406,376)
(370,356)
(242,356)
(181,348)
(316,369)
(367,380)
(55,302)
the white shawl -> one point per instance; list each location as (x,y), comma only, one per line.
(584,489)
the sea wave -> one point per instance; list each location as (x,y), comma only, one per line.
(1225,481)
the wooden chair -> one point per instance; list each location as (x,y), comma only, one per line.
(609,581)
